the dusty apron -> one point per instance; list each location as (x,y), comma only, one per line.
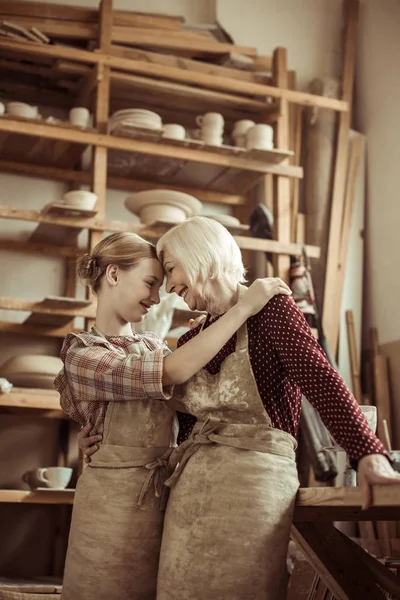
(227,523)
(117,521)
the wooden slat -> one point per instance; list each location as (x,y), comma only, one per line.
(184,63)
(223,84)
(42,497)
(31,398)
(282,198)
(46,249)
(330,324)
(39,330)
(46,307)
(44,10)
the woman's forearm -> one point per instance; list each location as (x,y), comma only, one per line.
(182,364)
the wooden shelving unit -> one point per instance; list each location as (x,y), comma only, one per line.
(107,60)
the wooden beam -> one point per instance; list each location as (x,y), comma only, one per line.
(42,497)
(282,195)
(275,246)
(73,134)
(31,398)
(330,324)
(116,183)
(223,84)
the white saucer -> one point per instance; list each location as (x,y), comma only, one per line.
(188,203)
(45,489)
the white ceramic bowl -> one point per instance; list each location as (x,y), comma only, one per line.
(20,109)
(81,199)
(162,212)
(32,370)
(187,204)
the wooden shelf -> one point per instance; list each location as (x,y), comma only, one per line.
(37,585)
(57,231)
(225,169)
(33,399)
(51,306)
(39,497)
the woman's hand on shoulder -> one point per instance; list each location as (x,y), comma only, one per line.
(374,469)
(261,292)
(88,444)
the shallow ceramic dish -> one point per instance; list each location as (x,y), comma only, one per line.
(80,199)
(188,203)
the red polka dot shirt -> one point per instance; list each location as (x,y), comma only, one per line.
(287,361)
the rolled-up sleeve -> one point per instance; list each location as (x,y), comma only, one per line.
(98,374)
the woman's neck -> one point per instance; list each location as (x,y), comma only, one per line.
(222,298)
(108,322)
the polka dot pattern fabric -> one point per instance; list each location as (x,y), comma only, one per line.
(287,361)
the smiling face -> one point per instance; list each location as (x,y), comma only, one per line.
(135,290)
(178,282)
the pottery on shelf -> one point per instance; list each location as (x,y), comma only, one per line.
(32,370)
(163,205)
(80,199)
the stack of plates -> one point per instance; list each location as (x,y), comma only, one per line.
(134,118)
(169,206)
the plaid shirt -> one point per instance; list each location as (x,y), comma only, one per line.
(98,370)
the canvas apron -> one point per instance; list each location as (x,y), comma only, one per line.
(227,523)
(118,514)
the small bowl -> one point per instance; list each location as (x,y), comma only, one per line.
(20,109)
(81,199)
(162,212)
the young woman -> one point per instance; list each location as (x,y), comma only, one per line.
(120,383)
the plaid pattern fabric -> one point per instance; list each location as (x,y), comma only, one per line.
(100,370)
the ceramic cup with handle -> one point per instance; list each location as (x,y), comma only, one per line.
(211,120)
(174,131)
(260,136)
(79,116)
(48,477)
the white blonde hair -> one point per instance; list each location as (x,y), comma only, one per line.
(204,249)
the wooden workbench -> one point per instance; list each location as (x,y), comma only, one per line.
(347,570)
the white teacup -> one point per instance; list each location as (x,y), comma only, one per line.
(79,116)
(2,108)
(174,131)
(211,119)
(48,477)
(242,127)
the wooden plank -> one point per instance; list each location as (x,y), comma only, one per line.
(353,354)
(157,86)
(275,247)
(204,155)
(330,557)
(176,40)
(282,195)
(41,330)
(31,398)
(184,63)
(223,84)
(42,497)
(330,324)
(348,209)
(47,307)
(44,10)
(117,183)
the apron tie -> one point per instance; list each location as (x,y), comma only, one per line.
(153,477)
(188,448)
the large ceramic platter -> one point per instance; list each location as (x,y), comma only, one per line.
(188,203)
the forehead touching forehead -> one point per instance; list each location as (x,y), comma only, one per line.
(151,267)
(204,249)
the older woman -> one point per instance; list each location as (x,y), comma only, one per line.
(228,518)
